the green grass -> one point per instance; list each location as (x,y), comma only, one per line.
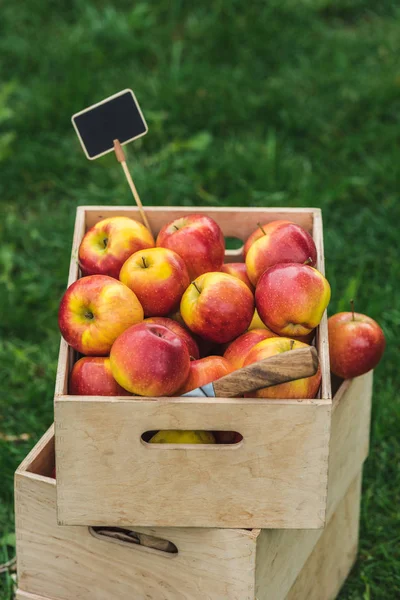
(279,103)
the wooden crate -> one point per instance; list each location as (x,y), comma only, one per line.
(68,563)
(275,478)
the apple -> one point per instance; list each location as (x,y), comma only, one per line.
(94,311)
(218,307)
(198,240)
(150,360)
(158,277)
(182,437)
(237,350)
(92,376)
(298,389)
(356,344)
(182,332)
(107,245)
(282,242)
(205,370)
(238,270)
(291,298)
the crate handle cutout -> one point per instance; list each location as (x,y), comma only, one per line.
(225,439)
(133,539)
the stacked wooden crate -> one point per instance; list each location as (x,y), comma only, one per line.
(240,522)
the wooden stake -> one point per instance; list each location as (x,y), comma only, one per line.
(120,154)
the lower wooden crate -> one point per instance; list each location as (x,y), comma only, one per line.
(70,563)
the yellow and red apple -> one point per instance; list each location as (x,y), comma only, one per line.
(238,270)
(94,311)
(356,344)
(282,242)
(238,350)
(107,245)
(218,307)
(198,239)
(181,331)
(92,376)
(150,360)
(178,436)
(158,277)
(291,298)
(205,370)
(298,389)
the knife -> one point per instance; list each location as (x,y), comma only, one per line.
(280,368)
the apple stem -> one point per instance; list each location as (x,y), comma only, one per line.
(177,228)
(261,227)
(105,242)
(291,344)
(308,261)
(195,285)
(144,262)
(352,309)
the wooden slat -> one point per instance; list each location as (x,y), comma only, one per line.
(278,473)
(234,221)
(335,553)
(282,554)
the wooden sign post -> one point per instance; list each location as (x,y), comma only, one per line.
(107,126)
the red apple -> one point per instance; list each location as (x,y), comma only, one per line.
(150,360)
(298,389)
(238,270)
(92,376)
(283,242)
(218,307)
(198,240)
(94,311)
(205,370)
(158,277)
(291,298)
(356,344)
(180,331)
(237,350)
(108,244)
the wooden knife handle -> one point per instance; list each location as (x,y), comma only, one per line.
(280,368)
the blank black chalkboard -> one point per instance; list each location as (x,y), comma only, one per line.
(116,118)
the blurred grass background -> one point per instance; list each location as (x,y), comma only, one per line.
(285,103)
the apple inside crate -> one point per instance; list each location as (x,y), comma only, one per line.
(276,477)
(99,563)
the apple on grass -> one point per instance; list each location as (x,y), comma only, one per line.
(107,245)
(203,371)
(150,360)
(278,242)
(356,344)
(182,332)
(158,277)
(237,350)
(218,307)
(94,311)
(299,389)
(197,239)
(291,298)
(92,376)
(238,270)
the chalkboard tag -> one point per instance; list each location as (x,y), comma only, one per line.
(116,118)
(107,126)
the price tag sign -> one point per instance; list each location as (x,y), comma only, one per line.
(116,118)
